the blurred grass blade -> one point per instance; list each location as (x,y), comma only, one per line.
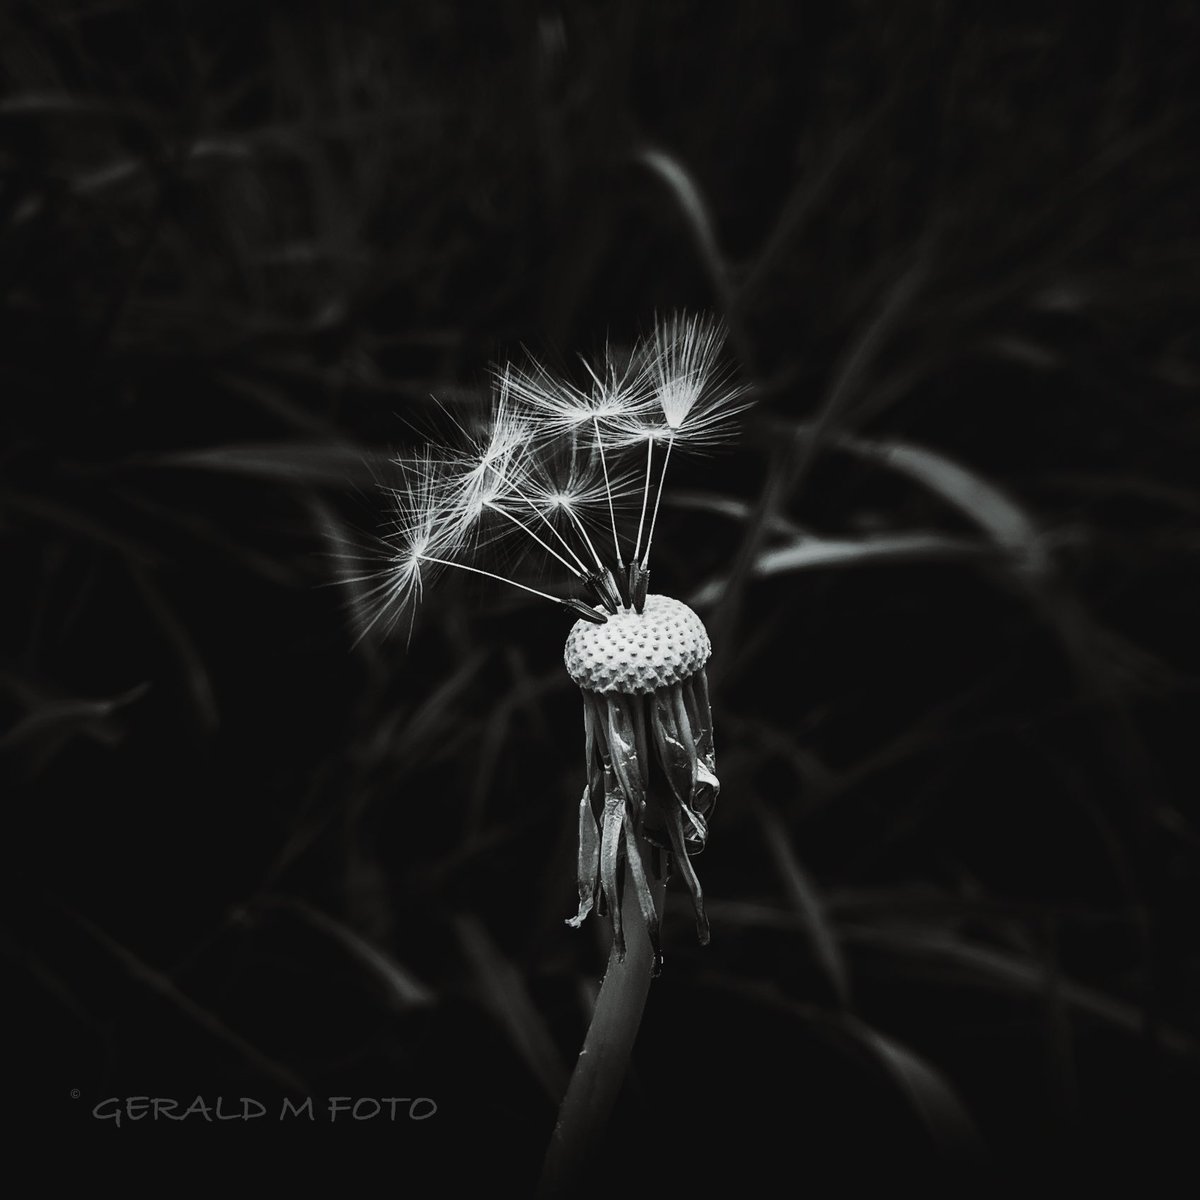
(503,991)
(61,717)
(695,211)
(806,900)
(733,508)
(404,989)
(434,709)
(79,524)
(788,469)
(91,106)
(805,200)
(523,696)
(188,658)
(273,568)
(1021,975)
(274,401)
(810,553)
(930,1095)
(982,502)
(164,986)
(52,983)
(927,1090)
(315,463)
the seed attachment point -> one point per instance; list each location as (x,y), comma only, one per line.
(582,609)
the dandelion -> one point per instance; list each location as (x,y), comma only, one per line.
(548,469)
(545,468)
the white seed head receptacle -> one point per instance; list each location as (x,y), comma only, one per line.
(637,653)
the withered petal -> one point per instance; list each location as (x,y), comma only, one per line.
(675,831)
(622,744)
(642,887)
(589,858)
(610,854)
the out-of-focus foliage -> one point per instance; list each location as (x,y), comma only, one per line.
(954,875)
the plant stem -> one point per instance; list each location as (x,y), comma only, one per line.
(637,548)
(579,525)
(612,516)
(447,562)
(604,1059)
(662,479)
(540,541)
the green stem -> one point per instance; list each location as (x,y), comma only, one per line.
(604,1059)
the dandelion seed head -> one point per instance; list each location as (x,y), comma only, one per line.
(556,407)
(400,564)
(477,472)
(575,484)
(686,349)
(508,429)
(693,401)
(421,524)
(553,406)
(545,465)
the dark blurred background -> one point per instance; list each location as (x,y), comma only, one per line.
(949,570)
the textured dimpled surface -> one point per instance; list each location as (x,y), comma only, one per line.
(636,653)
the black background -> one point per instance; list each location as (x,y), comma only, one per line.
(953,875)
